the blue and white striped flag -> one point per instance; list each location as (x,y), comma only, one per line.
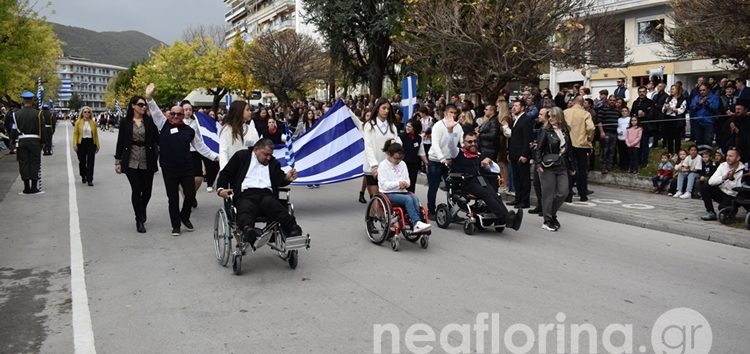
(408,97)
(39,93)
(209,130)
(331,151)
(289,148)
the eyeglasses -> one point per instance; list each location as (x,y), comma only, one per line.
(85,112)
(177,115)
(470,142)
(141,104)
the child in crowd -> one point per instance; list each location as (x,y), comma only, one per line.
(393,180)
(681,155)
(633,141)
(663,174)
(622,127)
(709,167)
(718,157)
(688,170)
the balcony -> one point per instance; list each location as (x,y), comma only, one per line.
(269,11)
(235,13)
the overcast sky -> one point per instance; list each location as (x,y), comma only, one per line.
(162,19)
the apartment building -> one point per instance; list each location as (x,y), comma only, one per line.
(85,78)
(248,18)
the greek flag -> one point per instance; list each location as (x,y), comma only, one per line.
(39,93)
(331,151)
(408,97)
(289,149)
(209,130)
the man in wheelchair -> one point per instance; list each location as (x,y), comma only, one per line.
(477,182)
(257,175)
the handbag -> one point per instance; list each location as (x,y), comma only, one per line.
(550,160)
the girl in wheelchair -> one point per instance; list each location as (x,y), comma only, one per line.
(393,181)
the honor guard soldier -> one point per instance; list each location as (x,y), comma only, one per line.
(29,127)
(48,119)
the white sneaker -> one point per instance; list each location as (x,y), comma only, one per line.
(686,196)
(421,227)
(677,195)
(209,189)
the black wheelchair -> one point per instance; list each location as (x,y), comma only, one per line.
(466,208)
(226,230)
(385,221)
(728,215)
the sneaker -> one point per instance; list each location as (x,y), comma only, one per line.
(209,189)
(656,190)
(686,196)
(421,227)
(188,225)
(676,195)
(296,231)
(548,227)
(708,216)
(175,231)
(555,223)
(669,194)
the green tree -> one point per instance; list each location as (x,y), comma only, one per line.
(358,36)
(28,50)
(696,34)
(286,63)
(75,102)
(235,73)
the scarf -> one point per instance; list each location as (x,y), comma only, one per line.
(469,154)
(176,124)
(411,136)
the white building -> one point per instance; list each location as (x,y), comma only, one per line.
(640,29)
(249,18)
(87,79)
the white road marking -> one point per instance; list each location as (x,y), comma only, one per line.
(83,332)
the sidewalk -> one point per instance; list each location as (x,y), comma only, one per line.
(647,210)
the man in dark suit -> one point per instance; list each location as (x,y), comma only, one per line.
(256,176)
(520,154)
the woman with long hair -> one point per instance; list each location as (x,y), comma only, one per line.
(305,123)
(238,132)
(554,163)
(365,117)
(86,144)
(376,132)
(674,111)
(506,122)
(136,154)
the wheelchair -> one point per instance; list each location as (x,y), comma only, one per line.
(385,221)
(226,230)
(475,214)
(728,215)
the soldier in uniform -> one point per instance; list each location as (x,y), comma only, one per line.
(48,119)
(29,127)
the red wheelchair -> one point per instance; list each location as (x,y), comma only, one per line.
(385,221)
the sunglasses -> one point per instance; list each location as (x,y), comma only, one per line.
(470,142)
(141,104)
(177,115)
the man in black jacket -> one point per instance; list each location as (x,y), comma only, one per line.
(642,107)
(256,176)
(520,154)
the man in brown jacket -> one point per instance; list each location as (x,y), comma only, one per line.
(581,134)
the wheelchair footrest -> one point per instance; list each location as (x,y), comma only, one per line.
(297,242)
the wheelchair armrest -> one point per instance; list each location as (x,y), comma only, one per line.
(284,189)
(456,175)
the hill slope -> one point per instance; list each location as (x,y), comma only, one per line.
(116,48)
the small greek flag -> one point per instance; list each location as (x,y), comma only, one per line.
(39,93)
(408,97)
(289,150)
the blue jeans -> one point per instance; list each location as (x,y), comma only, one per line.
(661,183)
(691,178)
(608,146)
(409,202)
(511,185)
(436,172)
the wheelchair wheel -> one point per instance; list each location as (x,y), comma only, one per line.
(222,238)
(726,216)
(500,229)
(443,216)
(424,242)
(293,258)
(394,243)
(377,220)
(237,264)
(469,227)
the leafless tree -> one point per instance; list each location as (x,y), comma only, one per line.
(217,34)
(481,45)
(286,62)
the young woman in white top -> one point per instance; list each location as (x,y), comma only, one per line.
(376,132)
(236,134)
(393,180)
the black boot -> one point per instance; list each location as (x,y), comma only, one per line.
(362,198)
(140,227)
(26,187)
(33,186)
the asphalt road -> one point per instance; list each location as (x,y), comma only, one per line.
(154,293)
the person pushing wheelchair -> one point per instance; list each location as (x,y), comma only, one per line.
(257,176)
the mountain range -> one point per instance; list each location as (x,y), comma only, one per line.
(115,48)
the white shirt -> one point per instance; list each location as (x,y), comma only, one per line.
(389,175)
(87,130)
(426,124)
(727,186)
(374,140)
(693,164)
(258,176)
(228,146)
(622,127)
(440,151)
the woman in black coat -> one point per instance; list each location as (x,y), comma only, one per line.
(414,154)
(136,155)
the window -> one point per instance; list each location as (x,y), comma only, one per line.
(650,31)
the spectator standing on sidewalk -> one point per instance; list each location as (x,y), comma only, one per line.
(581,134)
(720,187)
(642,108)
(622,128)
(674,110)
(175,140)
(633,141)
(608,124)
(520,154)
(703,108)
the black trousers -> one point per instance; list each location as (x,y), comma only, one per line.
(29,156)
(212,171)
(537,188)
(522,181)
(581,178)
(86,154)
(711,194)
(413,173)
(256,202)
(488,194)
(172,184)
(141,183)
(48,132)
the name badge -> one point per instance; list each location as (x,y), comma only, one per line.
(173,130)
(416,145)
